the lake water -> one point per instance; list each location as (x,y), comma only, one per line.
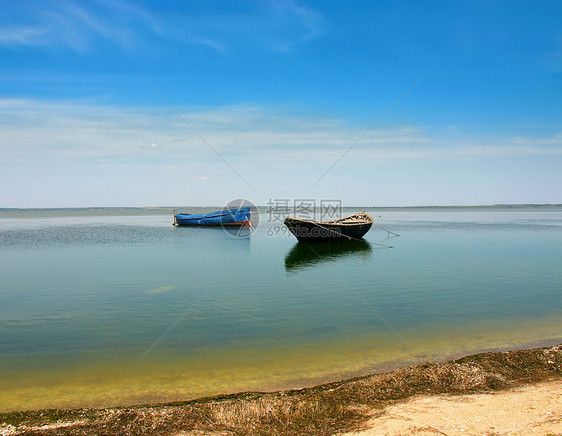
(106,307)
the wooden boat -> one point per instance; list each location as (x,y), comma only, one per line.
(227,217)
(350,227)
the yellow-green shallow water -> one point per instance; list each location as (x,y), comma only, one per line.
(222,371)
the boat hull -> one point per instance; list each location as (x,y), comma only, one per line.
(308,231)
(224,218)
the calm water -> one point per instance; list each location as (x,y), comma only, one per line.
(100,309)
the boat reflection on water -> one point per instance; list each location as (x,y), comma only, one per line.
(242,232)
(308,254)
(232,240)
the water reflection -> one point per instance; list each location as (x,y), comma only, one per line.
(305,255)
(242,232)
(217,234)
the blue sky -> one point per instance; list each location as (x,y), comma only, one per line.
(280,90)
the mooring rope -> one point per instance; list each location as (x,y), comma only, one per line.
(351,238)
(387,231)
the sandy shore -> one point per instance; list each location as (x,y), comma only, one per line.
(528,410)
(504,392)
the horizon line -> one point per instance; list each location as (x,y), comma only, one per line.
(457,206)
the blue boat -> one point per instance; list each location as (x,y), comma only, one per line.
(227,217)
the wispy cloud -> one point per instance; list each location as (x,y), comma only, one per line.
(216,45)
(305,23)
(46,130)
(23,35)
(77,148)
(76,25)
(278,26)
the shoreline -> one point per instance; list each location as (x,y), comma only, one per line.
(330,408)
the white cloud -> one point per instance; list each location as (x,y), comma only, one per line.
(23,35)
(99,147)
(214,44)
(311,20)
(249,135)
(76,24)
(278,26)
(38,129)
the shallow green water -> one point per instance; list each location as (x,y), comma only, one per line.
(100,309)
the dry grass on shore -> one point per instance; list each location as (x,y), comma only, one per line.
(321,410)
